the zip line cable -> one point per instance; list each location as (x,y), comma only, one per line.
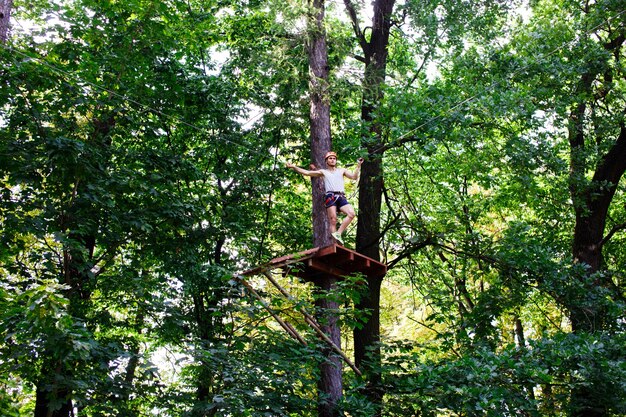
(397,141)
(490,88)
(77,80)
(451,111)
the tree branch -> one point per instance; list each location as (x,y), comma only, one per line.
(613,230)
(411,249)
(354,19)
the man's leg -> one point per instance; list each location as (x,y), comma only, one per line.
(349,212)
(332,218)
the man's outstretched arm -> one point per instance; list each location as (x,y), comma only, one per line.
(354,175)
(303,171)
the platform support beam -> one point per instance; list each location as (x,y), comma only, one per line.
(325,265)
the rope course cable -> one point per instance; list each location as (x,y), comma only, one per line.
(383,147)
(400,140)
(78,80)
(298,306)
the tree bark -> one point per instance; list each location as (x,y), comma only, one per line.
(330,384)
(591,201)
(44,398)
(319,117)
(591,205)
(366,339)
(5,19)
(54,398)
(367,354)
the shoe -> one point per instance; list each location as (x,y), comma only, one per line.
(337,237)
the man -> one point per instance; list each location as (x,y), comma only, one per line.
(335,197)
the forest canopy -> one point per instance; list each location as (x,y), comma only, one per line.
(143,146)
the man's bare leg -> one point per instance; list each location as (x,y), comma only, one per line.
(350,214)
(332,218)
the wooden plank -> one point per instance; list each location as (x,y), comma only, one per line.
(338,260)
(282,261)
(327,250)
(286,326)
(321,266)
(313,323)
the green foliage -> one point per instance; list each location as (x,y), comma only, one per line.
(113,201)
(534,380)
(142,146)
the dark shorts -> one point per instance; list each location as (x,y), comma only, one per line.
(334,199)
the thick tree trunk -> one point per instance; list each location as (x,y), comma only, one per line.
(54,394)
(591,201)
(366,338)
(51,398)
(45,398)
(591,206)
(5,19)
(205,382)
(367,354)
(330,384)
(366,342)
(54,398)
(319,118)
(205,301)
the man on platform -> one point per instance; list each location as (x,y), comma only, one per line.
(335,197)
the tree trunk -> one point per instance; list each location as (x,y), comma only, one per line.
(367,354)
(319,118)
(591,205)
(43,409)
(375,53)
(51,399)
(5,19)
(54,398)
(591,201)
(205,382)
(330,384)
(53,394)
(366,342)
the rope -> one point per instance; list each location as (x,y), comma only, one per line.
(313,323)
(286,326)
(77,80)
(399,140)
(308,318)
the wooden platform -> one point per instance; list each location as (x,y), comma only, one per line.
(334,260)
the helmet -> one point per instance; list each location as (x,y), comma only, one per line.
(329,154)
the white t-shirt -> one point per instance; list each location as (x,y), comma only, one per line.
(333,180)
